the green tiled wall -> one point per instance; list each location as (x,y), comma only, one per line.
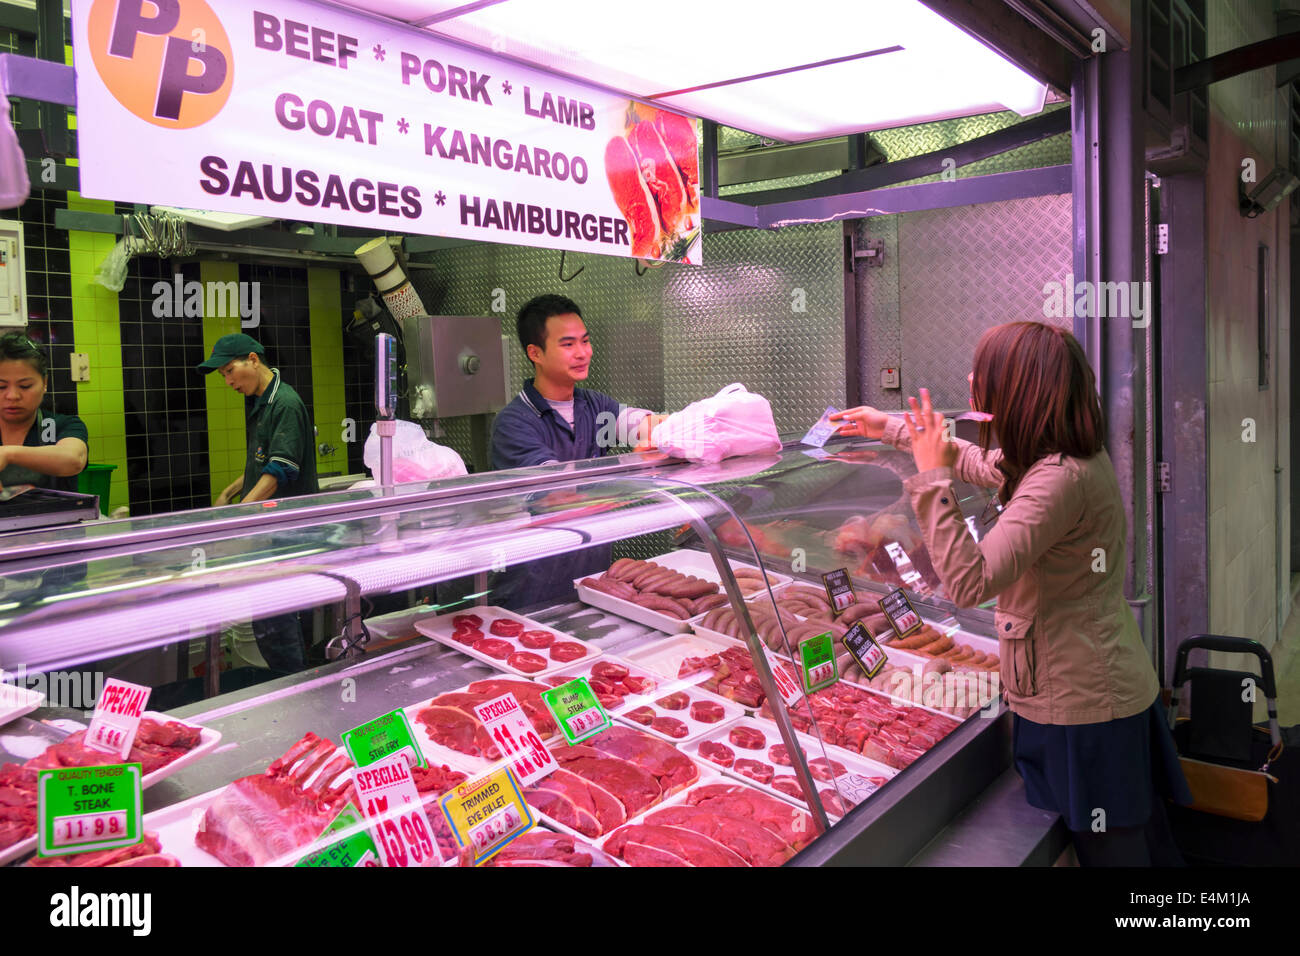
(95,326)
(325,305)
(227,441)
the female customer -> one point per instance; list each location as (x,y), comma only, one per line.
(1090,737)
(36,447)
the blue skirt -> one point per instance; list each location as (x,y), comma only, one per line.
(1113,767)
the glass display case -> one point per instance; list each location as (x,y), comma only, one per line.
(715,713)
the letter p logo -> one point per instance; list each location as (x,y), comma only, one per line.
(144,52)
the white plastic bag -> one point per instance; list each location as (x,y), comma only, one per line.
(415,458)
(15,187)
(733,422)
(112,271)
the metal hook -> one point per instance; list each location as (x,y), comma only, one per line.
(563,253)
(640,270)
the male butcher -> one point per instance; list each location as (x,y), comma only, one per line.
(550,421)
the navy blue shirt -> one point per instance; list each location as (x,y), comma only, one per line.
(529,431)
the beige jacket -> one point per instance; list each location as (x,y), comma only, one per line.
(1069,645)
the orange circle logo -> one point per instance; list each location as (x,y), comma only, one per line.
(167,61)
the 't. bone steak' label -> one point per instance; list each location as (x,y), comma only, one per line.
(839,589)
(869,655)
(898,609)
(117,717)
(518,739)
(79,809)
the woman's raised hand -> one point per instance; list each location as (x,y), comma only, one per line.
(932,445)
(861,422)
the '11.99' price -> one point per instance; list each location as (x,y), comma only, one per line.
(585,721)
(500,824)
(532,756)
(406,840)
(89,827)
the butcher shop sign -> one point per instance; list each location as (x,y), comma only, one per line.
(299,110)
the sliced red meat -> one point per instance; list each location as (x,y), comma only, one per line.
(753,843)
(737,800)
(633,197)
(608,670)
(720,754)
(677,701)
(610,701)
(633,788)
(467,635)
(555,680)
(505,627)
(451,726)
(567,651)
(755,769)
(779,755)
(526,692)
(599,686)
(542,848)
(693,665)
(747,738)
(642,845)
(825,771)
(467,620)
(879,749)
(672,768)
(789,786)
(566,798)
(642,715)
(679,136)
(660,174)
(536,639)
(494,647)
(638,685)
(670,727)
(833,802)
(527,661)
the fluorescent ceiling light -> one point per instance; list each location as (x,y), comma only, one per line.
(939,72)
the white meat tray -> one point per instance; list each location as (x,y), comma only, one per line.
(664,655)
(15,701)
(208,740)
(687,562)
(440,628)
(854,764)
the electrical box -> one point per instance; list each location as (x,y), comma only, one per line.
(454,365)
(13,275)
(889,377)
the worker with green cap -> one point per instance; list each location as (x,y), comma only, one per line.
(281,462)
(281,441)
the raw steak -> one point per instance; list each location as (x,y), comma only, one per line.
(526,692)
(737,800)
(121,856)
(494,647)
(693,665)
(633,198)
(638,685)
(672,768)
(642,845)
(467,620)
(608,670)
(824,770)
(670,727)
(754,769)
(833,802)
(779,755)
(567,651)
(566,798)
(754,844)
(634,789)
(677,701)
(642,715)
(678,134)
(789,786)
(540,848)
(526,661)
(468,636)
(661,174)
(505,627)
(707,711)
(720,754)
(537,640)
(747,738)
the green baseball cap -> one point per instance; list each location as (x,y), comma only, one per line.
(228,348)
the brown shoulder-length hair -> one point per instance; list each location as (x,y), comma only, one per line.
(1036,382)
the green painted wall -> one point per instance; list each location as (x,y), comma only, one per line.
(227,441)
(325,305)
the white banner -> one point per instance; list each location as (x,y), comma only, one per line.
(299,111)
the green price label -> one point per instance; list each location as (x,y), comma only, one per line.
(576,709)
(355,850)
(79,809)
(817,662)
(382,737)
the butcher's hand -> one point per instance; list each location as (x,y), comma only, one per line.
(861,422)
(645,430)
(932,445)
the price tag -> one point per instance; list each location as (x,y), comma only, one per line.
(355,850)
(487,813)
(870,656)
(382,737)
(821,432)
(898,609)
(509,726)
(117,717)
(855,788)
(390,802)
(817,662)
(786,683)
(79,809)
(576,709)
(839,589)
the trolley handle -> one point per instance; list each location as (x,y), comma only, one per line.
(1230,645)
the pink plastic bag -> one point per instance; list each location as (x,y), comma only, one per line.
(15,187)
(733,422)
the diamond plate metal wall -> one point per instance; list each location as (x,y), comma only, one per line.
(948,275)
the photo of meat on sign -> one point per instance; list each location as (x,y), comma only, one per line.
(653,170)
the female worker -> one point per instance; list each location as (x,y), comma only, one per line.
(36,447)
(1089,734)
